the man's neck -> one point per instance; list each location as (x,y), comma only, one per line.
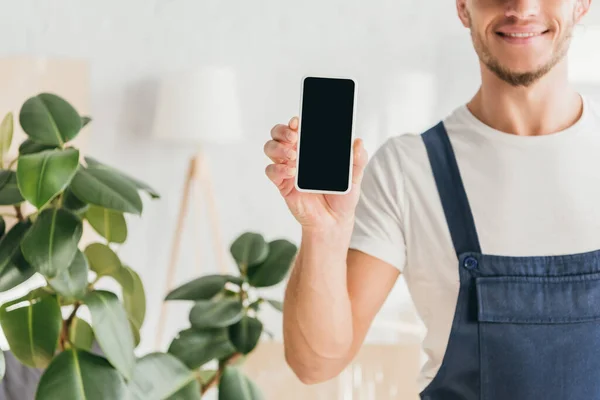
(550,105)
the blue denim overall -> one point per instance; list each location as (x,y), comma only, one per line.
(524,328)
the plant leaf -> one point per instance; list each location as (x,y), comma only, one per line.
(136,333)
(207,314)
(160,376)
(206,375)
(197,347)
(9,190)
(85,120)
(32,326)
(2,227)
(134,298)
(51,243)
(95,164)
(276,267)
(256,305)
(6,136)
(9,244)
(81,334)
(41,176)
(249,249)
(102,259)
(106,189)
(245,334)
(112,330)
(234,385)
(79,375)
(109,224)
(30,146)
(276,304)
(2,365)
(203,288)
(49,119)
(72,282)
(14,274)
(72,202)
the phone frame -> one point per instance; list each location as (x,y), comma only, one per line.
(351,166)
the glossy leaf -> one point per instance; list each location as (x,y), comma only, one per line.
(73,203)
(206,375)
(109,224)
(81,334)
(208,314)
(93,163)
(16,273)
(49,119)
(245,334)
(112,330)
(6,136)
(276,304)
(78,375)
(234,385)
(9,189)
(32,326)
(2,365)
(248,250)
(72,282)
(30,146)
(161,376)
(203,288)
(10,244)
(197,347)
(51,243)
(106,189)
(134,298)
(102,259)
(135,330)
(41,176)
(85,120)
(276,267)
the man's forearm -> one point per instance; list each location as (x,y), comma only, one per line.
(317,310)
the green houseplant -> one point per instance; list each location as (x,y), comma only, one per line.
(45,329)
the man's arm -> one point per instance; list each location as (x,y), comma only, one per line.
(331,300)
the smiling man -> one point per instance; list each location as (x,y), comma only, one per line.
(492,216)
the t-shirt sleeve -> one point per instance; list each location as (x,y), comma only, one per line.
(378,228)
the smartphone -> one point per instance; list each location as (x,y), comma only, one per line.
(326,134)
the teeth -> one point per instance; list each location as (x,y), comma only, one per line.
(522,35)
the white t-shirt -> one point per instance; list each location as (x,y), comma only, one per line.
(529,196)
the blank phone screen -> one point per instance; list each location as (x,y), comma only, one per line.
(326,134)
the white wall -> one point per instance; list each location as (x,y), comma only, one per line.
(388,45)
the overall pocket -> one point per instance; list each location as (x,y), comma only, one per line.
(539,337)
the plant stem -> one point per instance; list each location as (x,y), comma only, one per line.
(19,212)
(215,379)
(64,335)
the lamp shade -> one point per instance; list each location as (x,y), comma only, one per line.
(199,107)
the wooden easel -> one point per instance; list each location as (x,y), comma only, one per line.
(198,176)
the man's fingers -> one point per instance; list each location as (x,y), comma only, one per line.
(285,134)
(360,161)
(279,152)
(277,173)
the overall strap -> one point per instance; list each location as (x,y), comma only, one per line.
(451,190)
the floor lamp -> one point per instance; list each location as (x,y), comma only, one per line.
(196,108)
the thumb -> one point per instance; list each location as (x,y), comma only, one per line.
(360,162)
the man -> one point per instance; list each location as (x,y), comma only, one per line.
(492,215)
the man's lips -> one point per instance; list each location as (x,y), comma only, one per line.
(521,35)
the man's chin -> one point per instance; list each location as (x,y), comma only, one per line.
(523,78)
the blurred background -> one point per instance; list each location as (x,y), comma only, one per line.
(127,63)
